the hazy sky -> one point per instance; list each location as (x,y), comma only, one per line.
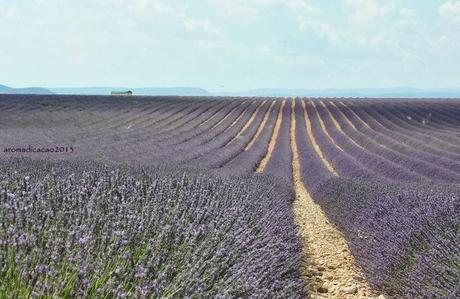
(224,45)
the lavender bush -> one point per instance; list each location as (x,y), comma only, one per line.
(405,237)
(153,233)
(160,198)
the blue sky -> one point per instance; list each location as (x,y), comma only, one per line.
(229,45)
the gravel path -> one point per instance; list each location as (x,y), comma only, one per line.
(328,264)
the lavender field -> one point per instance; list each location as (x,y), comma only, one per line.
(173,197)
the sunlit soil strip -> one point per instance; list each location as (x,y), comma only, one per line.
(273,140)
(354,113)
(350,123)
(261,127)
(246,126)
(323,127)
(231,111)
(212,116)
(217,113)
(313,141)
(354,127)
(338,126)
(328,266)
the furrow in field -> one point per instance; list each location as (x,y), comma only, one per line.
(396,118)
(423,169)
(339,126)
(215,130)
(417,139)
(210,126)
(346,164)
(226,116)
(440,117)
(433,118)
(217,152)
(107,120)
(110,116)
(408,120)
(246,161)
(452,110)
(166,117)
(279,164)
(261,127)
(374,157)
(174,118)
(419,151)
(227,153)
(193,125)
(271,146)
(134,129)
(369,122)
(328,263)
(357,116)
(197,150)
(145,137)
(317,148)
(246,126)
(399,135)
(215,114)
(323,127)
(175,124)
(113,140)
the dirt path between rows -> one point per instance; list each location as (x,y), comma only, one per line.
(323,127)
(356,115)
(328,264)
(311,136)
(261,127)
(246,125)
(271,145)
(339,126)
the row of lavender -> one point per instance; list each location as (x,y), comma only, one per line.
(206,133)
(138,130)
(198,132)
(395,209)
(383,157)
(368,143)
(256,259)
(188,131)
(82,229)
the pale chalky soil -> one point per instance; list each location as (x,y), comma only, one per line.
(329,266)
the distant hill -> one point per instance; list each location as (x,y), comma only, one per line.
(398,92)
(28,90)
(182,91)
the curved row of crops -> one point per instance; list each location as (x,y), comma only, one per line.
(79,230)
(386,172)
(397,202)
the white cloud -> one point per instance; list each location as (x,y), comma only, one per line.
(451,11)
(220,45)
(258,37)
(407,12)
(384,28)
(9,13)
(306,16)
(299,6)
(196,25)
(235,11)
(146,9)
(369,11)
(320,28)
